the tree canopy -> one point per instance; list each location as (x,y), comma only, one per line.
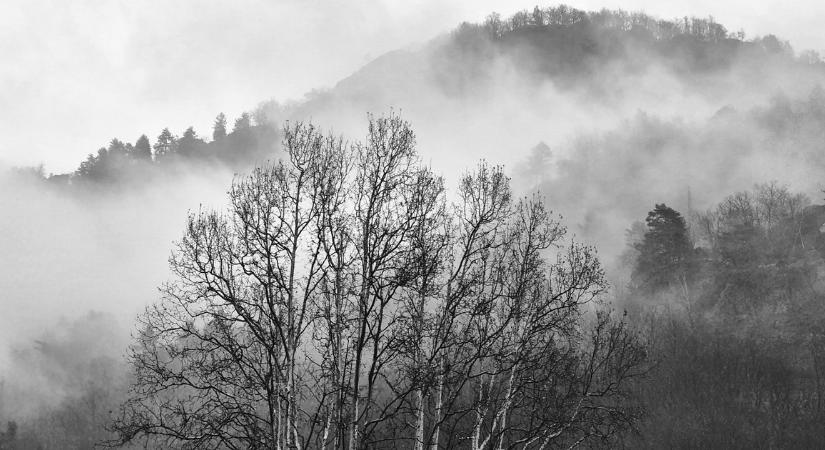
(665,252)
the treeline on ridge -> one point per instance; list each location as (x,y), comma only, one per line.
(568,44)
(251,139)
(561,43)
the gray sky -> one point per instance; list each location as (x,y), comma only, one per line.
(76,74)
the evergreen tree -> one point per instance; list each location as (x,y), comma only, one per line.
(665,252)
(243,122)
(95,167)
(116,160)
(117,148)
(219,128)
(87,167)
(143,149)
(188,143)
(166,144)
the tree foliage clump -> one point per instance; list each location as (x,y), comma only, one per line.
(665,253)
(342,302)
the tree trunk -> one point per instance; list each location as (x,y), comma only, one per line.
(439,400)
(419,427)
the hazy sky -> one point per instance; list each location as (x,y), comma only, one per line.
(76,74)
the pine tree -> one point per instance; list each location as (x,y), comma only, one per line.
(117,148)
(166,144)
(665,252)
(188,143)
(243,122)
(219,128)
(143,149)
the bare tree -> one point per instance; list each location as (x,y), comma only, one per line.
(216,362)
(333,307)
(342,302)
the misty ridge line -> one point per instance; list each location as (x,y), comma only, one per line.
(631,29)
(479,48)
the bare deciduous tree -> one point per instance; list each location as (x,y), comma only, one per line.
(342,302)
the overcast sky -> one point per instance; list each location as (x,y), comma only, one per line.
(76,74)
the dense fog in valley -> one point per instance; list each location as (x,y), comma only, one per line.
(550,228)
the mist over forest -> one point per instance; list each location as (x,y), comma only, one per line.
(556,229)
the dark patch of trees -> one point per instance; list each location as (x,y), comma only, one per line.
(665,252)
(739,345)
(570,46)
(124,163)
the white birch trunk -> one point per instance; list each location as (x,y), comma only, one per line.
(419,428)
(439,400)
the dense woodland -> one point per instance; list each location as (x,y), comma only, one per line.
(732,301)
(345,299)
